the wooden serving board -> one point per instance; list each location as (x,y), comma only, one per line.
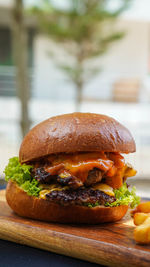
(107,244)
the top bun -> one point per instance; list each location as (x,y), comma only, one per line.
(76,132)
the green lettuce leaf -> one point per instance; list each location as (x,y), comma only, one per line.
(125,197)
(31,188)
(91,205)
(21,174)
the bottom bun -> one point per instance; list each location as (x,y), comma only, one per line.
(41,209)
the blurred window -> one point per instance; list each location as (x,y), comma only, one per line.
(7,69)
(5,47)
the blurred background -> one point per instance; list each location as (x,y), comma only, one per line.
(71,55)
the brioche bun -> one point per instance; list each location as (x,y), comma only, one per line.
(41,209)
(69,133)
(76,132)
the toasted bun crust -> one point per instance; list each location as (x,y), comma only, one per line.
(40,209)
(76,132)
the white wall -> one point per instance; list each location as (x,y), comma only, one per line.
(129,56)
(6,3)
(126,58)
(49,81)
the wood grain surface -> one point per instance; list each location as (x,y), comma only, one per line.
(107,244)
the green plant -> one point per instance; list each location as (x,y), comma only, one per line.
(85,29)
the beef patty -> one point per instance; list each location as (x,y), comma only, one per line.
(80,196)
(73,182)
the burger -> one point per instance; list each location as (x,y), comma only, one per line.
(71,170)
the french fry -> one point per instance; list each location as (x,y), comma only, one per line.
(140,217)
(143,207)
(142,232)
(133,211)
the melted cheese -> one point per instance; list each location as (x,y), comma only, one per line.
(81,169)
(78,164)
(44,192)
(104,188)
(49,188)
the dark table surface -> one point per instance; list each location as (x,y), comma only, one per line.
(16,255)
